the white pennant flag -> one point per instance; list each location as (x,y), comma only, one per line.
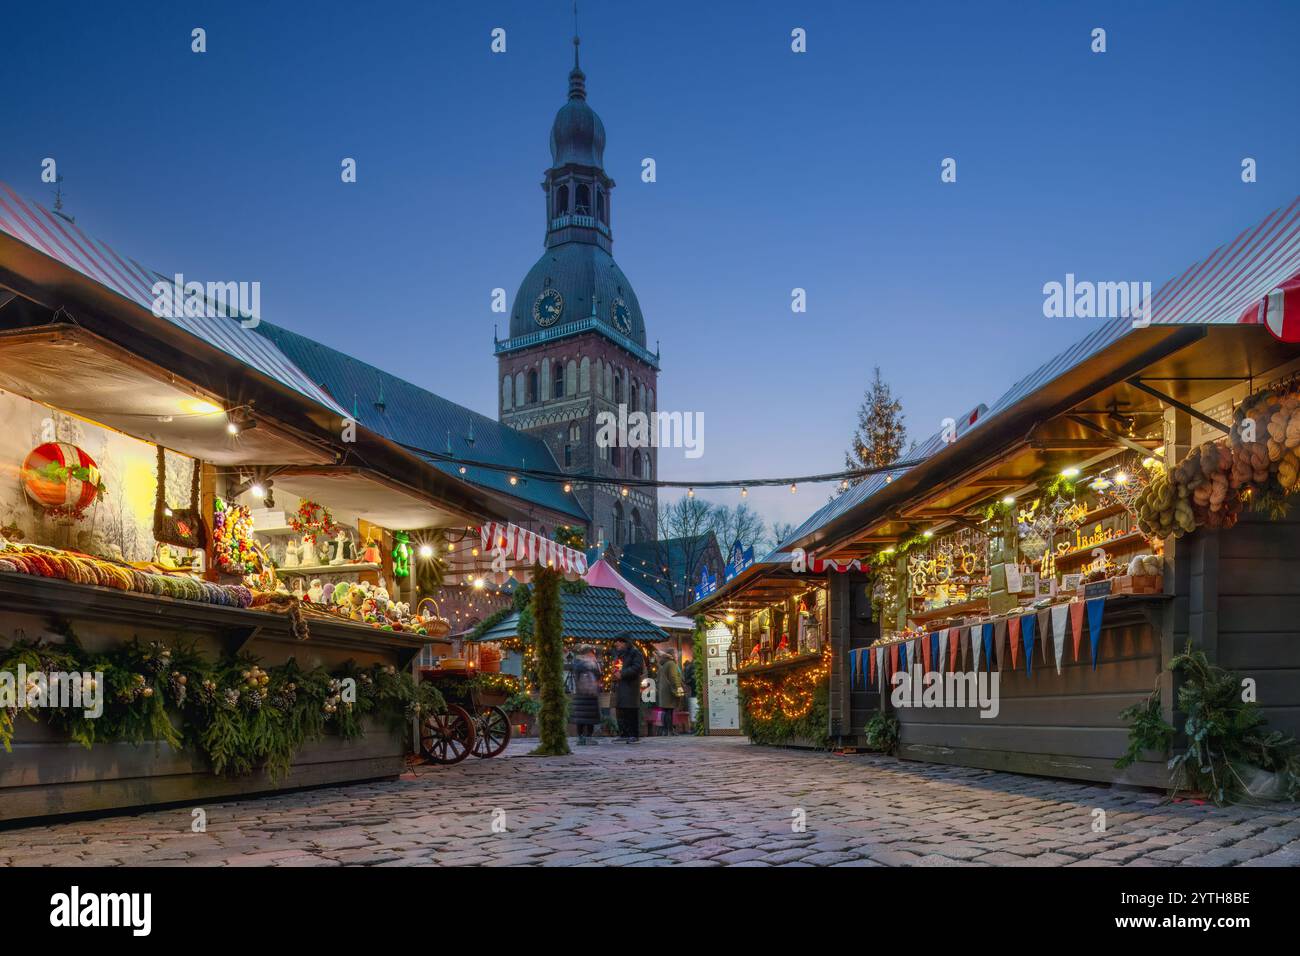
(975,644)
(880,668)
(1060,615)
(943,650)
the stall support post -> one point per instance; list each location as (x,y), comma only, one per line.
(1177,574)
(839,596)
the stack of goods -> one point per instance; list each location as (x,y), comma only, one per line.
(84,569)
(367,604)
(234,549)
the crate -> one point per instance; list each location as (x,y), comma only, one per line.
(1140,584)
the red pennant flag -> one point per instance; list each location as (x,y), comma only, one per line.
(954,643)
(893,659)
(1076,624)
(1013,631)
(925,651)
(871,666)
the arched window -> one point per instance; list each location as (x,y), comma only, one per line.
(618,389)
(636,465)
(575,433)
(638,530)
(641,403)
(602,206)
(557,387)
(532,386)
(561,201)
(583,205)
(546,379)
(507,393)
(571,378)
(584,376)
(616,456)
(618,522)
(631,398)
(647,466)
(520,394)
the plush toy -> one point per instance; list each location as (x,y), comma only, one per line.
(356,597)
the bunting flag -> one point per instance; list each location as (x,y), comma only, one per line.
(943,648)
(1013,631)
(1076,624)
(1095,608)
(893,659)
(902,656)
(934,651)
(528,548)
(871,664)
(925,651)
(880,668)
(1060,619)
(975,646)
(1028,630)
(1043,624)
(1000,640)
(858,677)
(954,647)
(988,646)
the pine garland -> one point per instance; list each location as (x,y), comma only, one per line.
(548,657)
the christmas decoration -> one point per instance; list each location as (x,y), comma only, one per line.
(313,520)
(62,479)
(234,549)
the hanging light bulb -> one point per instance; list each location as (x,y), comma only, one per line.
(426,551)
(744,492)
(232,428)
(462,469)
(793,488)
(1009,500)
(514,480)
(844,484)
(690,492)
(567,487)
(257,491)
(625,491)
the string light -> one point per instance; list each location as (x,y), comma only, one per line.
(690,492)
(744,492)
(567,487)
(514,480)
(793,488)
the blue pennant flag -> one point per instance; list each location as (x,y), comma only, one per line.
(902,657)
(1027,624)
(934,651)
(988,645)
(1095,608)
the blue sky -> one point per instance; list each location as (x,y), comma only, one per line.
(775,171)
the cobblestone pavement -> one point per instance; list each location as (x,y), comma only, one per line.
(692,801)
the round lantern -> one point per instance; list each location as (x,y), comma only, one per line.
(60,475)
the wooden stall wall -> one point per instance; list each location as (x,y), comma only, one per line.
(1058,725)
(1246,587)
(851,627)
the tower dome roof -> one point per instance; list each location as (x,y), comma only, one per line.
(577,270)
(577,135)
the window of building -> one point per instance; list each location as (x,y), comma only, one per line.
(575,433)
(568,456)
(561,201)
(602,206)
(532,386)
(557,386)
(583,204)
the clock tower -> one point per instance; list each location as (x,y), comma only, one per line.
(577,343)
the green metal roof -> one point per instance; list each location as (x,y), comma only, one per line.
(592,614)
(415,418)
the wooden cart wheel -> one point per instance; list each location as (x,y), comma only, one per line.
(491,732)
(447,737)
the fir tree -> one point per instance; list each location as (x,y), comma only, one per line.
(880,434)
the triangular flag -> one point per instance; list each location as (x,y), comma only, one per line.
(893,659)
(1028,626)
(954,647)
(975,646)
(934,651)
(1076,624)
(925,651)
(1095,608)
(987,630)
(858,676)
(902,656)
(880,667)
(943,648)
(871,665)
(1043,624)
(1013,631)
(1000,640)
(1060,621)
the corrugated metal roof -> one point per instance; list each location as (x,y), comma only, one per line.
(592,614)
(1220,289)
(65,242)
(412,416)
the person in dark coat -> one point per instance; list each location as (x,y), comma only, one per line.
(584,703)
(672,695)
(629,665)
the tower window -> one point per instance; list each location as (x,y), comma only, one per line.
(636,464)
(616,456)
(618,390)
(583,206)
(557,386)
(575,433)
(602,206)
(562,201)
(532,386)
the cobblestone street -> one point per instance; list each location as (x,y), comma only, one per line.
(692,801)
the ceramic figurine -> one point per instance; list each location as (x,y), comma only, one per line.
(308,558)
(291,554)
(297,589)
(339,541)
(314,592)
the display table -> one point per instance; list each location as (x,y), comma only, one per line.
(48,774)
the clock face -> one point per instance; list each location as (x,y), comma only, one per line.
(548,307)
(622,316)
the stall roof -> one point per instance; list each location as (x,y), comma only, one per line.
(592,614)
(418,419)
(1218,292)
(62,240)
(602,574)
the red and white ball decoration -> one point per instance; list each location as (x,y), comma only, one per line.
(61,478)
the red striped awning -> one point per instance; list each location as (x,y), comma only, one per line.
(528,548)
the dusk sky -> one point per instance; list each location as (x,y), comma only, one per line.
(776,170)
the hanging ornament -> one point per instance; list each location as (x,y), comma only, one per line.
(62,479)
(401,554)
